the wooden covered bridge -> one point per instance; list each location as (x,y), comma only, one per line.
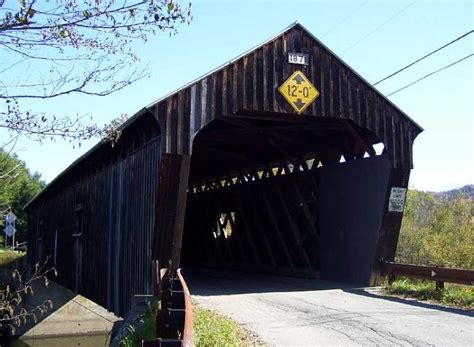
(269,163)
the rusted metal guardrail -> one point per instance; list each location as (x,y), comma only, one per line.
(434,273)
(174,319)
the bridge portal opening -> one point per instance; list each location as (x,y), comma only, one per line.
(277,194)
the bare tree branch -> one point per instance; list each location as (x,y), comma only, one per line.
(12,311)
(85,46)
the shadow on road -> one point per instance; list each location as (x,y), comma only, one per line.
(207,282)
(409,301)
(212,282)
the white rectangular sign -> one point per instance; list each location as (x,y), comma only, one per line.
(298,58)
(396,202)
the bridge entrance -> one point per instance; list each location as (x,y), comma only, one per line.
(255,200)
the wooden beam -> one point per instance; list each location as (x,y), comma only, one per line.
(391,223)
(170,209)
(244,221)
(259,228)
(293,227)
(276,227)
(359,139)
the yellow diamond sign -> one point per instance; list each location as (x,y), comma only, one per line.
(298,91)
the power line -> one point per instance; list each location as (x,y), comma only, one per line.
(424,57)
(380,26)
(345,18)
(431,73)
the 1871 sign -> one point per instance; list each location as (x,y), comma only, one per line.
(298,58)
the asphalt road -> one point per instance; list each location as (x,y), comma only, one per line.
(287,311)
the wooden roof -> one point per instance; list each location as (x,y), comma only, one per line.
(247,85)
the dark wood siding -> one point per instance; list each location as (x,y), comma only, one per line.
(114,190)
(250,84)
(117,205)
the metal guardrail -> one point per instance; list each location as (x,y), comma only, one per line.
(174,319)
(434,273)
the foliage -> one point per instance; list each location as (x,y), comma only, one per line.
(452,294)
(7,257)
(54,48)
(210,329)
(437,231)
(13,312)
(147,329)
(17,187)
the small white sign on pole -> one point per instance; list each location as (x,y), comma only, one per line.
(10,230)
(396,202)
(10,218)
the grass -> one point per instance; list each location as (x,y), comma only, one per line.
(210,329)
(146,331)
(7,256)
(453,294)
(213,329)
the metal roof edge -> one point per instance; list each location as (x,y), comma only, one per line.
(296,23)
(358,75)
(122,127)
(220,67)
(146,109)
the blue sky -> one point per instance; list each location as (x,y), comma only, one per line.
(221,30)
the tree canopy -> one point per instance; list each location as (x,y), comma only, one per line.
(17,187)
(438,229)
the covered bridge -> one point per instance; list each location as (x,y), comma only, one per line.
(269,163)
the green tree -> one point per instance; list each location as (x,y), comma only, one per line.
(17,186)
(437,230)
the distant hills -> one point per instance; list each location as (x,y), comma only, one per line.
(467,190)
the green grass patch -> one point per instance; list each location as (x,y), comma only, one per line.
(147,331)
(210,329)
(213,329)
(7,256)
(452,294)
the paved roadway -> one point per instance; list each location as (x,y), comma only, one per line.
(287,311)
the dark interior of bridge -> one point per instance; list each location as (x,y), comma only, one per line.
(287,196)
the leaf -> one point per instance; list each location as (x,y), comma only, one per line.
(170,7)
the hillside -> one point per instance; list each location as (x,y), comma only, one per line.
(438,228)
(467,190)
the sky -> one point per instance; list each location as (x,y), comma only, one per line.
(374,37)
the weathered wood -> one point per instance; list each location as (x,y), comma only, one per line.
(258,226)
(247,231)
(294,229)
(391,223)
(230,120)
(173,184)
(117,203)
(276,227)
